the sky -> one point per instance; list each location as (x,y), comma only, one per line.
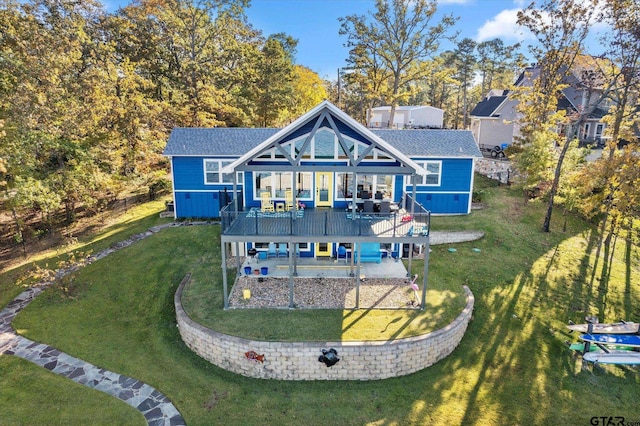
(314,23)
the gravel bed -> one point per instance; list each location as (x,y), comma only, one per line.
(320,292)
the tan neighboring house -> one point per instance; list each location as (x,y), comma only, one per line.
(494,120)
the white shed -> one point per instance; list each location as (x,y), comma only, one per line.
(410,117)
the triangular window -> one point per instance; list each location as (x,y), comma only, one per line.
(324,144)
(298,149)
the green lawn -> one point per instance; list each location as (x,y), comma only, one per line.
(511,367)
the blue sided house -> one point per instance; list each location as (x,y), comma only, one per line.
(333,157)
(322,187)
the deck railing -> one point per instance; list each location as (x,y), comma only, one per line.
(324,222)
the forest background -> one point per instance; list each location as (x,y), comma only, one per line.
(89,97)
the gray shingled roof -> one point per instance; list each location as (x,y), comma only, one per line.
(487,107)
(234,141)
(431,142)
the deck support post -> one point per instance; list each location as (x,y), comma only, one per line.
(426,274)
(351,262)
(412,212)
(235,195)
(291,256)
(238,265)
(224,275)
(294,195)
(359,250)
(411,245)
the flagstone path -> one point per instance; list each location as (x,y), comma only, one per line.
(154,406)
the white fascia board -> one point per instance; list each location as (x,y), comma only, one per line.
(282,132)
(369,134)
(343,117)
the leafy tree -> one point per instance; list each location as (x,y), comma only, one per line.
(611,189)
(178,45)
(497,62)
(3,163)
(369,75)
(536,163)
(560,28)
(38,195)
(393,45)
(439,88)
(56,97)
(273,89)
(464,62)
(308,90)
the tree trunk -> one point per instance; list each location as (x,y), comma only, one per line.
(19,232)
(392,115)
(554,185)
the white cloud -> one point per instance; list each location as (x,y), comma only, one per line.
(503,25)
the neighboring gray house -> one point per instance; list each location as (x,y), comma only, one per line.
(494,120)
(407,117)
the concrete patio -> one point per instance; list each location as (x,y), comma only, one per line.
(326,268)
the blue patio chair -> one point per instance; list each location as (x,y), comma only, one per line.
(282,250)
(272,251)
(342,253)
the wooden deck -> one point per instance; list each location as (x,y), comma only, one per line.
(323,225)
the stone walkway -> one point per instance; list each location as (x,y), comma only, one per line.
(154,406)
(450,237)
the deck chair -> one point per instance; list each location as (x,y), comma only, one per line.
(267,202)
(368,206)
(342,254)
(282,250)
(272,251)
(385,207)
(289,201)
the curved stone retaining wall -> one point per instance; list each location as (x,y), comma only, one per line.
(365,360)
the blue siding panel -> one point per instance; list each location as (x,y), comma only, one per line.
(444,203)
(195,199)
(397,188)
(456,175)
(197,204)
(192,197)
(188,174)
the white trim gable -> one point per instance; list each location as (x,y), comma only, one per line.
(325,111)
